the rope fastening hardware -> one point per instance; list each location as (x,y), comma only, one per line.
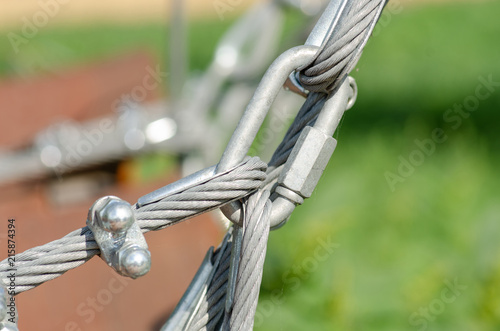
(256,112)
(318,37)
(119,237)
(288,196)
(310,155)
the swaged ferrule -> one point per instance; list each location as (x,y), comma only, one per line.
(119,237)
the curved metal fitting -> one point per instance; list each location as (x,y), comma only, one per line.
(256,112)
(177,186)
(119,237)
(182,184)
(321,32)
(310,155)
(325,26)
(292,84)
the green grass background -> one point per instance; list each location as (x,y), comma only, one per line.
(396,250)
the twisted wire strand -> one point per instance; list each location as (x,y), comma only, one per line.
(212,305)
(253,253)
(306,116)
(343,50)
(335,60)
(211,312)
(43,263)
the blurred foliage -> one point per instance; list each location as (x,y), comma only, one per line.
(429,59)
(395,251)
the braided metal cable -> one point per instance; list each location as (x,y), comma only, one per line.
(246,178)
(256,226)
(343,50)
(306,116)
(41,264)
(210,311)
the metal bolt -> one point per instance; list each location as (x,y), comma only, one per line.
(119,237)
(134,261)
(116,216)
(307,161)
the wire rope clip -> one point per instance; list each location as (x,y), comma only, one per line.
(119,237)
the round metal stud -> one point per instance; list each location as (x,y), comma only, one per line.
(134,261)
(116,216)
(119,237)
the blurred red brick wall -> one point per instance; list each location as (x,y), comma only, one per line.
(30,105)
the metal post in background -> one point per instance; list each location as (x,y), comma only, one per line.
(177,50)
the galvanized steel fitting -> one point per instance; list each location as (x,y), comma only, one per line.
(310,155)
(119,237)
(3,302)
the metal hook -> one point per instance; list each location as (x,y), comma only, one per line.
(256,112)
(282,70)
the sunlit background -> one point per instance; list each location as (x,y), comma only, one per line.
(402,231)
